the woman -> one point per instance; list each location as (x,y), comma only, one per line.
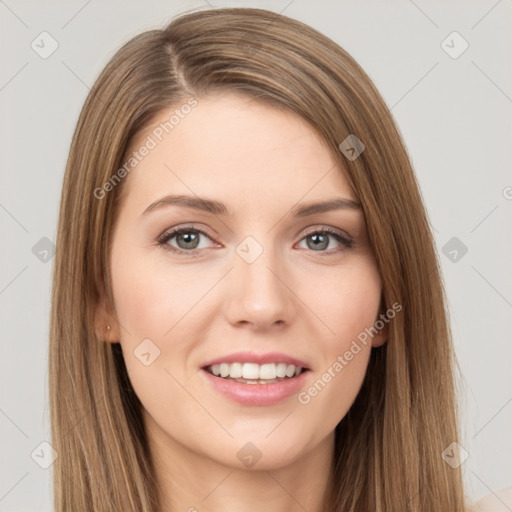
(247,308)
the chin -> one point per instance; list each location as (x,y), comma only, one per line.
(256,451)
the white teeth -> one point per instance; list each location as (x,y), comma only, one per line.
(255,372)
(290,370)
(250,371)
(268,371)
(224,369)
(236,371)
(281,370)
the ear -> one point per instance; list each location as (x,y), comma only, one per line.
(382,336)
(105,319)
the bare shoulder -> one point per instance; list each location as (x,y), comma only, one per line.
(499,501)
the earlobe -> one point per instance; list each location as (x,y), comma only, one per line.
(106,326)
(105,322)
(380,339)
(382,335)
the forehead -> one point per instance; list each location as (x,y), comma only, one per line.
(233,147)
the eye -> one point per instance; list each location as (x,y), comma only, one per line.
(319,240)
(187,240)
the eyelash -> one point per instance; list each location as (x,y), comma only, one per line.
(346,242)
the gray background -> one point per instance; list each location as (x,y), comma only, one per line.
(455,117)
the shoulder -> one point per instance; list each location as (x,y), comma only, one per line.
(499,501)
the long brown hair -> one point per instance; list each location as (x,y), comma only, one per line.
(388,447)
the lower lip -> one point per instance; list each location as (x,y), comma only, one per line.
(257,394)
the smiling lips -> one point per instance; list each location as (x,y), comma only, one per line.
(278,376)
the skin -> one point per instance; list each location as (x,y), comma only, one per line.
(295,298)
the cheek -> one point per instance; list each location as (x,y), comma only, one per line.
(346,300)
(346,346)
(150,302)
(330,394)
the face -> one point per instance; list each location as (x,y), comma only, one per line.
(247,280)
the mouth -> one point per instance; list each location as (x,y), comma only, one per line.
(256,384)
(254,373)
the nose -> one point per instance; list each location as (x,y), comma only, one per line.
(258,293)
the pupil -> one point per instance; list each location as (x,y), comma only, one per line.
(188,238)
(323,244)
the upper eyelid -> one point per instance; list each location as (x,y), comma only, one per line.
(308,229)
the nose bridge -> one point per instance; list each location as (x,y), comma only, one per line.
(257,292)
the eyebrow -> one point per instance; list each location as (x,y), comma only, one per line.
(219,208)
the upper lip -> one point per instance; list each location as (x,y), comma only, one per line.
(252,357)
